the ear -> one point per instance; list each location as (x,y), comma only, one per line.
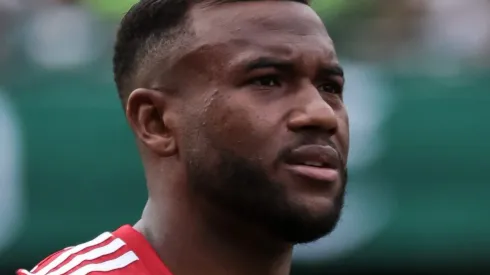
(148,114)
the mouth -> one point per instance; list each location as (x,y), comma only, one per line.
(315,162)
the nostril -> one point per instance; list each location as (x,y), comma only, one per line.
(315,130)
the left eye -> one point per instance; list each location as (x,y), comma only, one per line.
(329,88)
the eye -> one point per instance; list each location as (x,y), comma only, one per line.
(331,88)
(266,81)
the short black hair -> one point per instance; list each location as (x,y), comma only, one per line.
(149,24)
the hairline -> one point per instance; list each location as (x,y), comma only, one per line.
(153,52)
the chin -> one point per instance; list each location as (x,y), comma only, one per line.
(319,206)
(309,221)
(309,230)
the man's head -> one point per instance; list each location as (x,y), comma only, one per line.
(239,102)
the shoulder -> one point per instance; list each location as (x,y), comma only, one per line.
(106,254)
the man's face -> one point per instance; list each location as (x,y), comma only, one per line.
(265,130)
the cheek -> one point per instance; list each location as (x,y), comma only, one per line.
(238,128)
(343,135)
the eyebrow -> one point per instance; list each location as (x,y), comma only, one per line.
(267,62)
(333,70)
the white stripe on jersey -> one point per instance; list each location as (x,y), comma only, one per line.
(37,266)
(111,265)
(91,255)
(25,272)
(65,255)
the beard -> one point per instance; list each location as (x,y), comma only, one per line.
(242,186)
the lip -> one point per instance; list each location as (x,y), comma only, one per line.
(326,158)
(315,173)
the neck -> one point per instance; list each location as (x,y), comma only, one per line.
(189,242)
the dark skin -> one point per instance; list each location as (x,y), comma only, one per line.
(259,79)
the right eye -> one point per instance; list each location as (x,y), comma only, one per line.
(266,81)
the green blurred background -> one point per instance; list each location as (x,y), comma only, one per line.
(418,92)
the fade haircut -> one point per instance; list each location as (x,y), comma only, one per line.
(148,31)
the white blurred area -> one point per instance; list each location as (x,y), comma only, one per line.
(11,201)
(61,37)
(457,28)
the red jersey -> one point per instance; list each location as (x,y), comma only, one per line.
(123,252)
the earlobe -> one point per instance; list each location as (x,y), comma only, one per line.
(146,111)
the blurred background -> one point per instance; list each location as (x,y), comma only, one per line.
(418,92)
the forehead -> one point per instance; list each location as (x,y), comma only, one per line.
(278,26)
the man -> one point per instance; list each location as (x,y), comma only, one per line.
(238,112)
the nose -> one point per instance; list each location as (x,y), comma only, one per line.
(314,113)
